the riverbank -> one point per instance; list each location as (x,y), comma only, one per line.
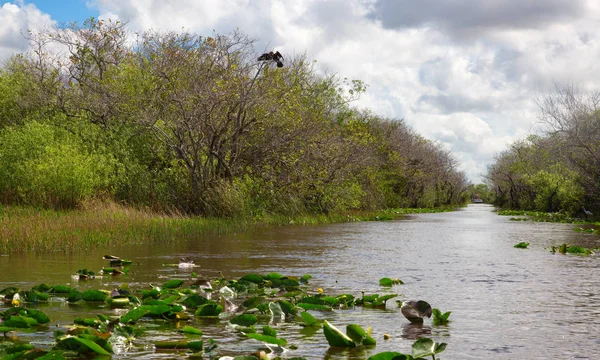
(102,224)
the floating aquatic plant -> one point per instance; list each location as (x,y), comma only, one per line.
(568,249)
(440,318)
(522,245)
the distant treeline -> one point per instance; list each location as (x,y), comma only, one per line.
(558,170)
(184,123)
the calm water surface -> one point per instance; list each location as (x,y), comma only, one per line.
(506,303)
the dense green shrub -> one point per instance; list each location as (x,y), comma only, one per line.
(44,165)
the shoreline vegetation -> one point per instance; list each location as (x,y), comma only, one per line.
(100,224)
(200,130)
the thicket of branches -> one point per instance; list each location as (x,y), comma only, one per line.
(558,170)
(178,121)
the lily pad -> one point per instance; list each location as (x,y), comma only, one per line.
(389,282)
(359,335)
(390,355)
(209,310)
(309,319)
(94,296)
(335,337)
(173,284)
(267,339)
(244,320)
(190,330)
(427,347)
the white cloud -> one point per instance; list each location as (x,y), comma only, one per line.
(16,19)
(463,72)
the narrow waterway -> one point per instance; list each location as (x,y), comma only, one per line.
(506,303)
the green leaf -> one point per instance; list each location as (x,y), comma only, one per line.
(209,310)
(61,289)
(359,335)
(195,345)
(335,337)
(244,320)
(269,331)
(75,296)
(273,276)
(253,278)
(19,321)
(288,307)
(191,330)
(94,296)
(89,344)
(253,302)
(390,355)
(426,347)
(38,315)
(173,284)
(135,314)
(309,319)
(522,245)
(306,306)
(267,339)
(194,300)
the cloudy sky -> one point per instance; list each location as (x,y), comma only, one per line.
(463,72)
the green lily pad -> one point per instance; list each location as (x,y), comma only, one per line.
(61,289)
(75,296)
(309,319)
(521,245)
(267,339)
(359,335)
(194,300)
(19,321)
(190,330)
(135,314)
(288,307)
(306,306)
(427,347)
(75,342)
(253,278)
(38,315)
(93,295)
(244,320)
(389,282)
(253,302)
(173,284)
(335,337)
(269,331)
(209,310)
(390,355)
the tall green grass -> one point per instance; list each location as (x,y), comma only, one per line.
(97,224)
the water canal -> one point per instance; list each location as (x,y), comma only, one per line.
(506,303)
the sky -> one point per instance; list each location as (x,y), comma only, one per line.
(465,73)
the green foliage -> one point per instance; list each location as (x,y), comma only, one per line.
(46,166)
(186,124)
(389,282)
(521,245)
(440,318)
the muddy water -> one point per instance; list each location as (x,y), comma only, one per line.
(506,303)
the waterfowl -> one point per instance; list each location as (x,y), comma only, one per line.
(186,264)
(414,311)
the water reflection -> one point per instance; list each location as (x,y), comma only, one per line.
(506,303)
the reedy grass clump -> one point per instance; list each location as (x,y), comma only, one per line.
(101,223)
